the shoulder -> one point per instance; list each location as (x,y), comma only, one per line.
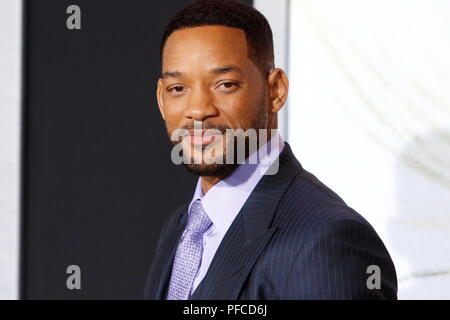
(320,237)
(308,205)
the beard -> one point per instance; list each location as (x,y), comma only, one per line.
(224,168)
(218,169)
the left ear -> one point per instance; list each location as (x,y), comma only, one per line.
(278,86)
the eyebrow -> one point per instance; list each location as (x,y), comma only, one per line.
(219,70)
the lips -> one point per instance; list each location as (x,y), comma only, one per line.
(199,137)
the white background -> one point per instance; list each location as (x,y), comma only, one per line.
(10,55)
(369,115)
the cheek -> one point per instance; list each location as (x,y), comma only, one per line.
(244,110)
(173,105)
(173,110)
(239,107)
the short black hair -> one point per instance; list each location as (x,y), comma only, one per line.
(230,13)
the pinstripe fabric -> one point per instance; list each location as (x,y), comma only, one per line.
(294,238)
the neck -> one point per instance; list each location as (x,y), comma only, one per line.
(209,182)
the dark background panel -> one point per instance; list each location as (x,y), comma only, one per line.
(97,176)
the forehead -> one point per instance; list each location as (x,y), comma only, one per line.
(205,46)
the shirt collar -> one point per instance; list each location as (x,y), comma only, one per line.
(225,199)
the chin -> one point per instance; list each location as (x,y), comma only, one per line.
(211,170)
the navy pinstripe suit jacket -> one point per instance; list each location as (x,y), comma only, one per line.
(294,238)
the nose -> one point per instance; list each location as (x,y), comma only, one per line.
(200,105)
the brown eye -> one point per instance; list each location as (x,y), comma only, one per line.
(176,89)
(229,86)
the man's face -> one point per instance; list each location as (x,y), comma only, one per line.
(208,77)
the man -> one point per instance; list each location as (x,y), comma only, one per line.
(249,233)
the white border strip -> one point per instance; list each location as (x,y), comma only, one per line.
(10,129)
(277,13)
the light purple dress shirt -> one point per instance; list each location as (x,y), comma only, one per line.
(225,199)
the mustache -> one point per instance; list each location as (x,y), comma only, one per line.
(207,125)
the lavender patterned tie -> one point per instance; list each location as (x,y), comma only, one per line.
(189,253)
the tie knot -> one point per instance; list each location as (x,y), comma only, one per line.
(198,220)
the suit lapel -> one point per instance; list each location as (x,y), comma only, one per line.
(248,235)
(160,276)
